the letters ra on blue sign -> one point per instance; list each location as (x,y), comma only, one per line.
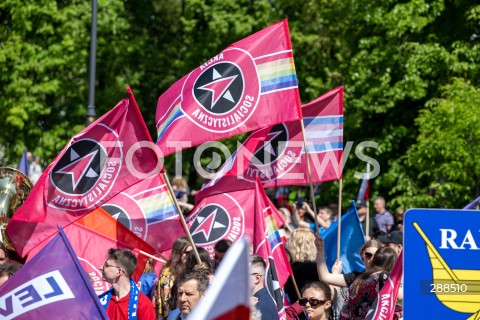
(441,264)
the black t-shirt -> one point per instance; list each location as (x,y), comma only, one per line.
(303,272)
(350,277)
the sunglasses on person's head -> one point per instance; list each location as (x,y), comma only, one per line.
(313,302)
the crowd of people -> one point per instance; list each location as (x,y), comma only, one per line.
(324,294)
(317,293)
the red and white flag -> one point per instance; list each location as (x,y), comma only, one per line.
(228,297)
(250,84)
(276,155)
(383,308)
(107,157)
(364,191)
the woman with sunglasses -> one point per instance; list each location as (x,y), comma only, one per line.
(171,270)
(363,291)
(368,250)
(316,300)
(343,280)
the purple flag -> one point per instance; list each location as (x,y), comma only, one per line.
(23,165)
(472,204)
(51,286)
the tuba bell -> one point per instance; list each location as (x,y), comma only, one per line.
(14,189)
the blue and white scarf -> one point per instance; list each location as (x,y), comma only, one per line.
(132,303)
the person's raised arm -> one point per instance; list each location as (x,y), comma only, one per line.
(321,222)
(296,218)
(323,273)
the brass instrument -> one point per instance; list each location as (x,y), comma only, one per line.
(14,189)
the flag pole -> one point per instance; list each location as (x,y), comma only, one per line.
(153,257)
(182,218)
(309,173)
(295,285)
(367,225)
(339,218)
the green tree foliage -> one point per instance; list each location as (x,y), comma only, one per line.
(44,52)
(442,167)
(410,70)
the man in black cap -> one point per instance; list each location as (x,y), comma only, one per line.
(362,215)
(394,240)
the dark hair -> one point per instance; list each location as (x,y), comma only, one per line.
(223,245)
(9,269)
(192,259)
(323,287)
(379,234)
(258,261)
(175,261)
(383,261)
(384,258)
(202,277)
(125,259)
(2,247)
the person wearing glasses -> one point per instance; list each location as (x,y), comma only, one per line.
(265,303)
(363,291)
(336,278)
(316,300)
(124,300)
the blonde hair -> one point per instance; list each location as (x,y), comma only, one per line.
(180,183)
(301,245)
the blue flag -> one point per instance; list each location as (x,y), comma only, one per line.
(351,241)
(23,165)
(51,286)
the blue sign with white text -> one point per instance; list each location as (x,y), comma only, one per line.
(441,264)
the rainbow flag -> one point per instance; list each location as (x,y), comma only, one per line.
(249,85)
(148,210)
(277,72)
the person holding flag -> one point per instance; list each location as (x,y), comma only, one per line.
(124,300)
(363,291)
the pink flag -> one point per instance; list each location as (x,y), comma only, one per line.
(222,216)
(148,210)
(250,84)
(267,243)
(276,155)
(104,159)
(228,297)
(245,212)
(383,308)
(92,236)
